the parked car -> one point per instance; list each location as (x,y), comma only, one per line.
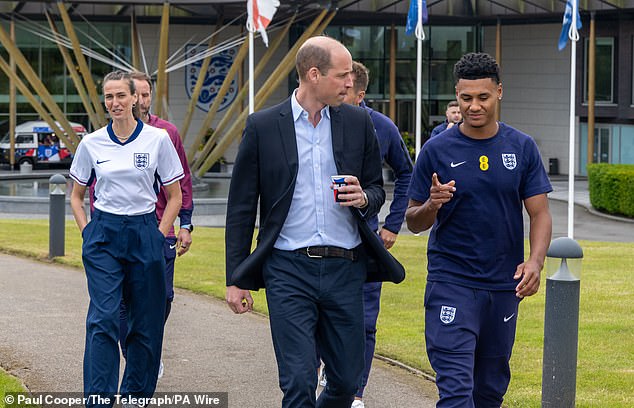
(36,143)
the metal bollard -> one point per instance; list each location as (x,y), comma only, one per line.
(561,323)
(56,215)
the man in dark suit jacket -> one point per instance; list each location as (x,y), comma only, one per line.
(313,254)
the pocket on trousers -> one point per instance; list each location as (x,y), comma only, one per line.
(85,230)
(93,232)
(428,290)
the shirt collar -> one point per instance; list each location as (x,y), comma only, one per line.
(298,110)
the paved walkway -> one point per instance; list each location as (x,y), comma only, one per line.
(207,348)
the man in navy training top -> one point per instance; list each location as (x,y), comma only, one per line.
(453,118)
(469,186)
(394,153)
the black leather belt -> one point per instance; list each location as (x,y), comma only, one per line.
(328,252)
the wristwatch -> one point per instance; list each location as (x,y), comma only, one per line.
(188,227)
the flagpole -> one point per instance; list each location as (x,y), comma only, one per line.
(419,93)
(571,151)
(420,36)
(573,35)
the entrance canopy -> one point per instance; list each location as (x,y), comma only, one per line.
(369,11)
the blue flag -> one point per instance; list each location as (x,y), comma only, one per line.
(563,37)
(412,16)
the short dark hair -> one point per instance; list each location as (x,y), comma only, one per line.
(452,104)
(476,65)
(142,76)
(312,55)
(361,76)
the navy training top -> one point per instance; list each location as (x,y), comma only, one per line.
(395,154)
(477,239)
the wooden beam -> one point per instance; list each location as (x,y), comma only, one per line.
(275,79)
(161,76)
(202,73)
(72,71)
(83,65)
(13,113)
(135,41)
(591,87)
(39,87)
(37,106)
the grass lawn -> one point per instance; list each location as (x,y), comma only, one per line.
(8,384)
(605,374)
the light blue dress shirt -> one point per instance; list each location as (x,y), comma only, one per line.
(314,217)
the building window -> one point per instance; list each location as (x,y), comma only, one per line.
(632,71)
(602,142)
(604,71)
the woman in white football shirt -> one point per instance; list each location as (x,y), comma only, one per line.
(122,250)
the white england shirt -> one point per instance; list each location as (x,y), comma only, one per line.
(129,174)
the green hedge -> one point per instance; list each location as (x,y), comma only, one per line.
(612,188)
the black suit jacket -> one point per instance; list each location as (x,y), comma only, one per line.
(266,169)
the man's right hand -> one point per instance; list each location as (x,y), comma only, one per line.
(239,300)
(421,216)
(440,194)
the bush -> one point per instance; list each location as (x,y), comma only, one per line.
(611,188)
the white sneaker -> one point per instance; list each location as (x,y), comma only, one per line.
(161,370)
(357,404)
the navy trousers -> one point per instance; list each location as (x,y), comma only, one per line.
(470,334)
(169,252)
(316,303)
(371,307)
(123,259)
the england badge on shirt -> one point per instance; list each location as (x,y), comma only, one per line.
(141,160)
(509,160)
(447,314)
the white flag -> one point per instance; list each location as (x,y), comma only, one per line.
(260,15)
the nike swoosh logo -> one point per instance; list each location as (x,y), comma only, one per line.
(457,164)
(172,246)
(506,319)
(102,161)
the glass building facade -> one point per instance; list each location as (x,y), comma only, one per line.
(47,62)
(442,48)
(370,45)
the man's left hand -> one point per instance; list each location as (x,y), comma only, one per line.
(388,238)
(183,241)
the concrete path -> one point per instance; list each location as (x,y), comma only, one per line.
(207,348)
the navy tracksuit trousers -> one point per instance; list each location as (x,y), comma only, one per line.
(169,252)
(470,334)
(371,308)
(123,259)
